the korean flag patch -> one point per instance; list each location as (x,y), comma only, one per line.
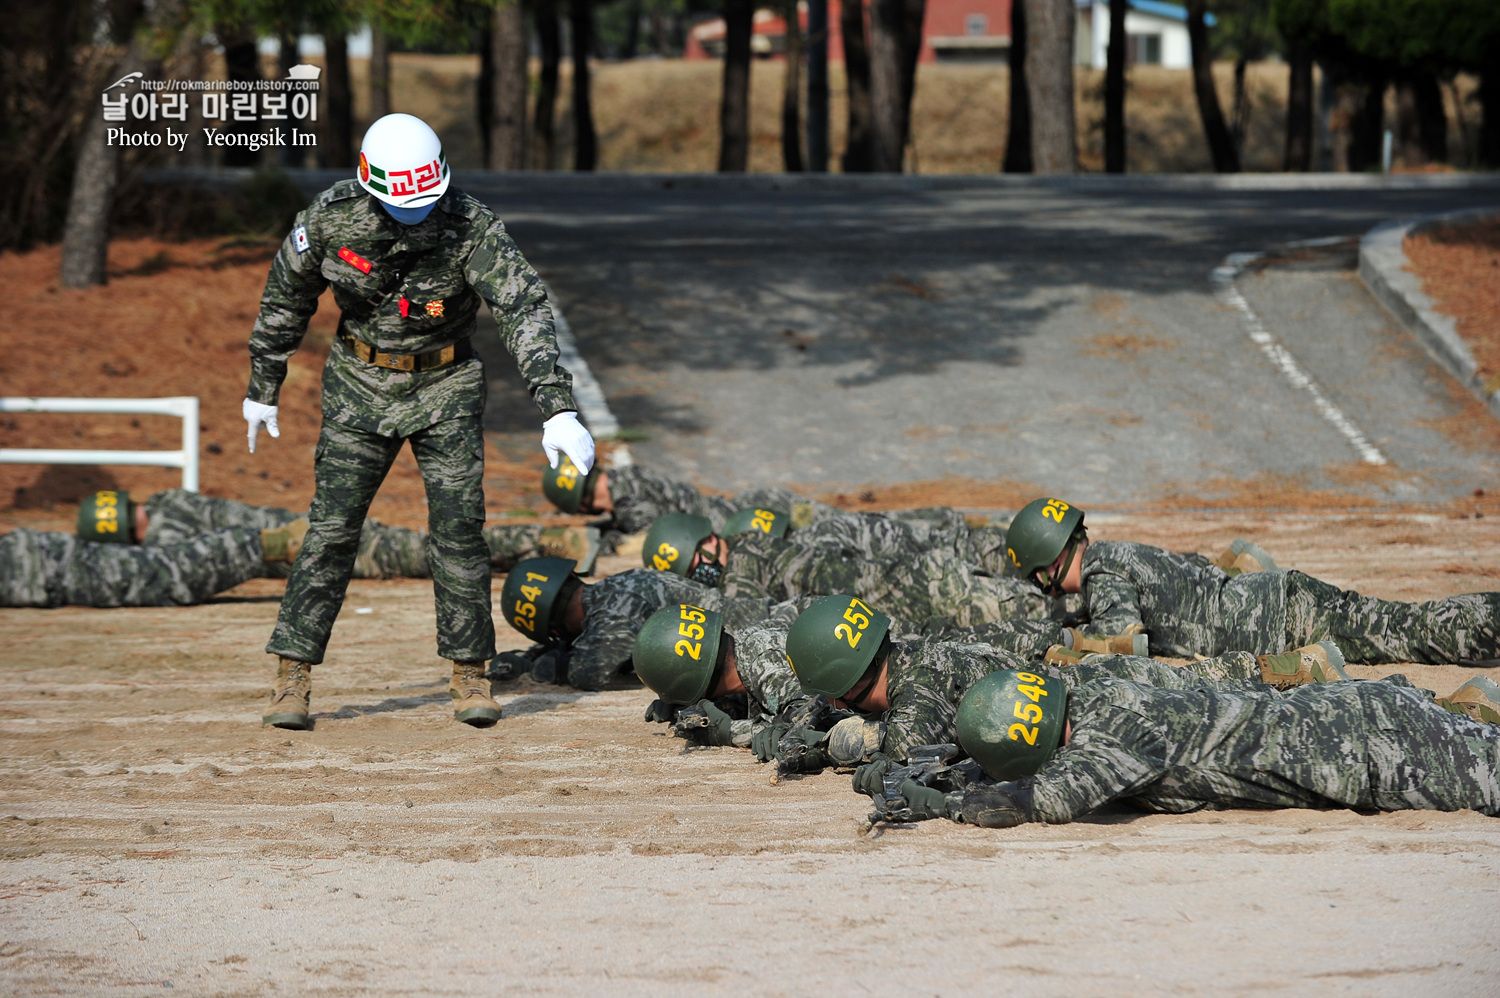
(299,239)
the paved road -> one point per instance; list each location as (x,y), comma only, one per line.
(1064,337)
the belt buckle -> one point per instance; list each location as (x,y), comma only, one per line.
(402,362)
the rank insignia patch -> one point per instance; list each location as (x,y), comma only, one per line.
(354,260)
(405,306)
(435,309)
(299,239)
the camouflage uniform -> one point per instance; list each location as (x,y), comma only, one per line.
(407,290)
(910,574)
(384,552)
(927,679)
(1371,746)
(1189,606)
(48,568)
(641,497)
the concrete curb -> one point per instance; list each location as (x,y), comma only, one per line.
(1382,266)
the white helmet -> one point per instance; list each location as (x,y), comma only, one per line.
(401,162)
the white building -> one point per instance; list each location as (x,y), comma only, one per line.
(1155,34)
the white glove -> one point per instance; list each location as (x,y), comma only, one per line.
(255,415)
(565,433)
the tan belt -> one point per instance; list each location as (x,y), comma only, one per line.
(428,361)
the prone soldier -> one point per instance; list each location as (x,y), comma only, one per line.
(410,262)
(1054,754)
(1186,607)
(385,552)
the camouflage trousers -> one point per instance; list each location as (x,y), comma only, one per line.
(1455,629)
(349,467)
(55,569)
(1424,757)
(398,553)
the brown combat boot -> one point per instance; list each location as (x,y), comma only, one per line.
(1131,641)
(470,691)
(1479,698)
(1315,663)
(581,544)
(283,543)
(290,696)
(1242,557)
(1062,656)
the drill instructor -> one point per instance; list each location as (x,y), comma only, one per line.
(410,261)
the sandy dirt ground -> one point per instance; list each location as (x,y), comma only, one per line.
(155,838)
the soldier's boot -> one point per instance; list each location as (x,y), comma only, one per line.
(1479,698)
(1242,556)
(1131,641)
(1062,656)
(470,691)
(578,543)
(290,696)
(283,543)
(1315,663)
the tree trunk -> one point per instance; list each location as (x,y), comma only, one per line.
(791,94)
(286,58)
(632,29)
(817,86)
(585,140)
(734,106)
(1049,85)
(380,73)
(1432,120)
(1220,143)
(484,87)
(892,78)
(1018,129)
(1240,116)
(1489,125)
(96,173)
(507,146)
(1367,128)
(857,152)
(1299,110)
(241,64)
(1114,90)
(338,144)
(549,40)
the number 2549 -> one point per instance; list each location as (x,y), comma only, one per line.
(1029,713)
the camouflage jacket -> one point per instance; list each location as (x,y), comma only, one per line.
(911,572)
(1369,745)
(927,679)
(404,289)
(615,609)
(1186,605)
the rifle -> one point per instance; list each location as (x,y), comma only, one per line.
(925,764)
(796,752)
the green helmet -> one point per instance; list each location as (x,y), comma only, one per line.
(107,517)
(566,487)
(1039,533)
(1011,722)
(676,652)
(528,599)
(833,642)
(671,541)
(766,521)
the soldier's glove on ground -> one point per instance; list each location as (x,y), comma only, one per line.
(870,778)
(660,710)
(1002,806)
(766,741)
(563,432)
(551,666)
(924,803)
(509,665)
(691,725)
(258,415)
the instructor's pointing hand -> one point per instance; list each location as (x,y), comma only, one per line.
(256,415)
(564,433)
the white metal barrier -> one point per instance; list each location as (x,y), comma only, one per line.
(184,407)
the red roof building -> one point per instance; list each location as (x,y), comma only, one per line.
(952,31)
